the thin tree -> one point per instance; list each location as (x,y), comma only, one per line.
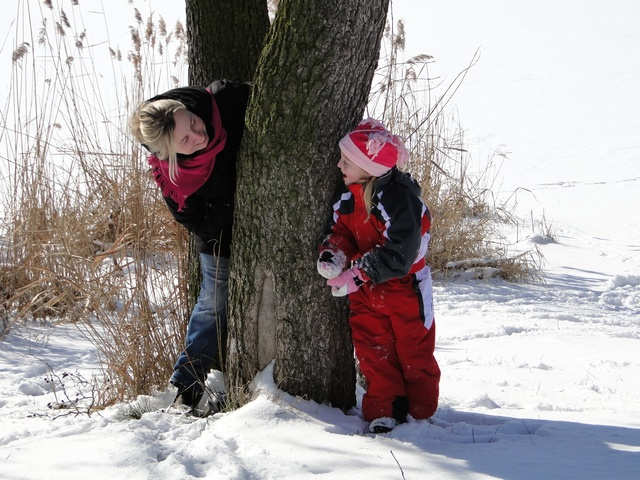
(311,87)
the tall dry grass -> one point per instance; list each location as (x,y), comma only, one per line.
(466,219)
(86,236)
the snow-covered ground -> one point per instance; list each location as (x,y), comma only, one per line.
(539,380)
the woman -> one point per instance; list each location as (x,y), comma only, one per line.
(193,135)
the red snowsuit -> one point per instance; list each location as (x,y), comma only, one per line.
(391,316)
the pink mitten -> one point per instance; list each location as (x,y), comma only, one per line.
(347,282)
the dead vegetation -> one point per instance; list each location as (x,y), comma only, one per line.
(86,238)
(466,218)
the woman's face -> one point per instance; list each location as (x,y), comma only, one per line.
(189,134)
(351,173)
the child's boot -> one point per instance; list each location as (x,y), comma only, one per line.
(382,425)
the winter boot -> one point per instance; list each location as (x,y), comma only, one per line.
(189,396)
(382,425)
(399,409)
(210,404)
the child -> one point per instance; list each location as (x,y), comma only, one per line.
(374,252)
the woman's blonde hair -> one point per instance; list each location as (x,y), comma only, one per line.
(152,124)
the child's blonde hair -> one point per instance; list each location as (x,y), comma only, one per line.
(152,124)
(367,193)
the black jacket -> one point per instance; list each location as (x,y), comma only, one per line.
(392,240)
(208,213)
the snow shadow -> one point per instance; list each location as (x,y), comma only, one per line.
(65,345)
(460,444)
(522,449)
(583,280)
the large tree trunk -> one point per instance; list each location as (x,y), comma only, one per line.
(224,41)
(311,87)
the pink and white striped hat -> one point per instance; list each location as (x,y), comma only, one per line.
(373,148)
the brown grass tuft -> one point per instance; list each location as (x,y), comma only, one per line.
(20,52)
(65,20)
(84,235)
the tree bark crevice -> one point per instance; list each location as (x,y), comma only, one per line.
(266,319)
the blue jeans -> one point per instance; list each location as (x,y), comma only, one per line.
(207,329)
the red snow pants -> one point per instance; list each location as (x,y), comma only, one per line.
(394,344)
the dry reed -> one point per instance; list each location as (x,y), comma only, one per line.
(465,217)
(86,237)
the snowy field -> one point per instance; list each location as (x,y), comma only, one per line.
(539,381)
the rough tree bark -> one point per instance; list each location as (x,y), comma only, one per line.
(224,41)
(311,87)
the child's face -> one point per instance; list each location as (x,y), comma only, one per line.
(351,173)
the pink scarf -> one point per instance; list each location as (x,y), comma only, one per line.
(194,171)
